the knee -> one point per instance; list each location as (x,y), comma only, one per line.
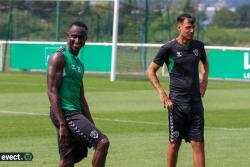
(174,146)
(103,145)
(66,163)
(197,145)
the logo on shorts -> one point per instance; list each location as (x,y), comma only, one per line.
(94,134)
(196,52)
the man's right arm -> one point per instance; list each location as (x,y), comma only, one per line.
(54,77)
(151,73)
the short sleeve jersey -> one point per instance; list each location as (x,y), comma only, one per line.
(69,90)
(183,67)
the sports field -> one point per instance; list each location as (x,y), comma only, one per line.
(130,113)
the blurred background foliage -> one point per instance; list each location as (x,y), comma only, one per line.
(140,21)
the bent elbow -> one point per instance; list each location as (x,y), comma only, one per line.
(150,71)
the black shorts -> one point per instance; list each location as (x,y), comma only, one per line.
(83,134)
(186,121)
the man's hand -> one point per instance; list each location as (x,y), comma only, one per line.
(166,101)
(203,84)
(64,135)
(203,87)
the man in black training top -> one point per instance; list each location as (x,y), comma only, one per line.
(186,113)
(69,109)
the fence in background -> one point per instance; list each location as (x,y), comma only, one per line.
(225,62)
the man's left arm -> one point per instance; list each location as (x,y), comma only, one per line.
(204,79)
(85,106)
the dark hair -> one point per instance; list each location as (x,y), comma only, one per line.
(184,16)
(79,24)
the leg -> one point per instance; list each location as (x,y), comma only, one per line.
(198,153)
(101,152)
(67,159)
(85,131)
(177,132)
(172,154)
(197,135)
(67,162)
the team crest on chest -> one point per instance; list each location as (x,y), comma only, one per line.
(196,52)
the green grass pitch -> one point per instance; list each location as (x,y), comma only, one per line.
(129,112)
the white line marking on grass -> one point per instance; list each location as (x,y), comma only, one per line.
(227,129)
(124,121)
(22,83)
(22,113)
(165,124)
(102,119)
(130,121)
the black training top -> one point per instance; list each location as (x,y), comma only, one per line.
(182,62)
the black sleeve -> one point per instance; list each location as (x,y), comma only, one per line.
(203,53)
(161,56)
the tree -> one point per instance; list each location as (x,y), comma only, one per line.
(244,15)
(225,18)
(102,13)
(131,18)
(189,7)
